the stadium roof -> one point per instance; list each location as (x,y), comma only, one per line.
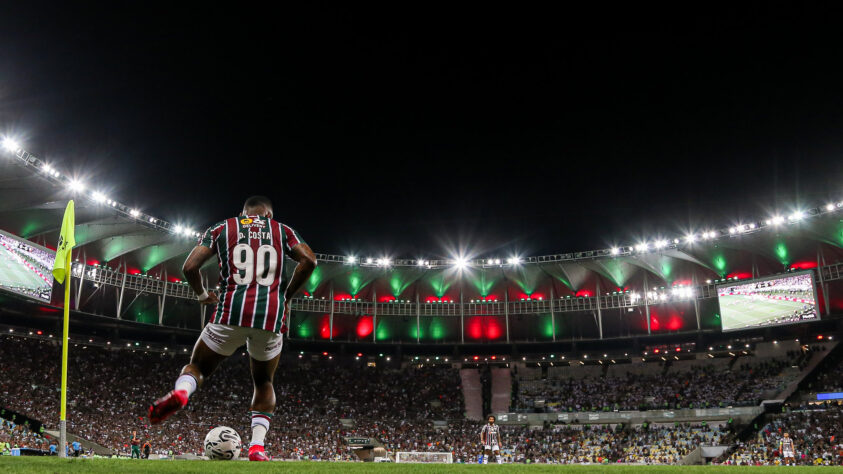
(33,197)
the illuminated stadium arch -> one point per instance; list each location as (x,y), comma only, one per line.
(128,266)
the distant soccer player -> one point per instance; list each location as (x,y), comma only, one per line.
(252,308)
(786,448)
(490,438)
(135,445)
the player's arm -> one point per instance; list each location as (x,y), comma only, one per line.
(306,259)
(194,262)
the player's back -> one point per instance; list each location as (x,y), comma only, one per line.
(251,253)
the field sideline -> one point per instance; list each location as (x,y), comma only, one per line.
(46,464)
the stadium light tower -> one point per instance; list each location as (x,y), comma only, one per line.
(615,250)
(351,259)
(460,263)
(513,260)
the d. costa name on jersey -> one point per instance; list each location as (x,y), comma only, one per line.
(258,235)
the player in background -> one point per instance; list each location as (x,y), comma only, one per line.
(135,445)
(252,308)
(786,448)
(147,448)
(490,438)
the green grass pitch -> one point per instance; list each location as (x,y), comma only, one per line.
(741,311)
(50,464)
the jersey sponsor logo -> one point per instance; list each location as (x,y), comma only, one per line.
(250,222)
(246,221)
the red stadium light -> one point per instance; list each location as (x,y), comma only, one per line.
(476,357)
(359,354)
(39,333)
(678,349)
(819,337)
(324,353)
(494,357)
(656,351)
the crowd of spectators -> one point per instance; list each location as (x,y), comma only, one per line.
(16,435)
(110,390)
(816,437)
(699,387)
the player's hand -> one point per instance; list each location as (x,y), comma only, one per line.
(286,310)
(212,299)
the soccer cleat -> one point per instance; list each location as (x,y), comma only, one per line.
(165,406)
(256,453)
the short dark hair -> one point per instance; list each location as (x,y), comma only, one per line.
(492,417)
(258,201)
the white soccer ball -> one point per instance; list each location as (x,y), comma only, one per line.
(222,444)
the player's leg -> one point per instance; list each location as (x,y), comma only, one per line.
(216,342)
(265,351)
(486,454)
(498,457)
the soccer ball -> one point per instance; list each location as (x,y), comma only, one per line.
(222,443)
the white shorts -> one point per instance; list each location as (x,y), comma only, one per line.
(787,454)
(224,340)
(492,447)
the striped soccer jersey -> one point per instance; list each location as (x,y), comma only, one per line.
(491,435)
(787,444)
(251,253)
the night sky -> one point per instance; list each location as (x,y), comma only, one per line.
(416,131)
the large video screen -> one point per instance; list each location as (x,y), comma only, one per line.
(25,268)
(768,302)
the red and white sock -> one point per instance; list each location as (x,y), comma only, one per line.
(186,383)
(260,425)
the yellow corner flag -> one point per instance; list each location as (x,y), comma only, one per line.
(66,243)
(62,269)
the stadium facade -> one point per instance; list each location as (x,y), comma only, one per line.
(127,267)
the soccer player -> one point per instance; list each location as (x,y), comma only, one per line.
(252,307)
(147,448)
(490,438)
(135,445)
(786,448)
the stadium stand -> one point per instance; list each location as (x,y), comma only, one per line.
(815,432)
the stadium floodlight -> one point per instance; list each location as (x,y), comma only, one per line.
(615,251)
(76,186)
(460,263)
(178,229)
(661,244)
(98,196)
(369,260)
(513,260)
(732,230)
(420,262)
(134,212)
(642,247)
(497,261)
(690,238)
(776,220)
(351,259)
(752,225)
(152,220)
(829,207)
(10,145)
(796,216)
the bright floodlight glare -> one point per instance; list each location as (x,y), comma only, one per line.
(513,260)
(777,220)
(10,145)
(178,229)
(369,260)
(690,238)
(641,247)
(497,261)
(351,259)
(829,207)
(661,243)
(459,263)
(76,186)
(98,196)
(615,250)
(420,262)
(798,215)
(134,212)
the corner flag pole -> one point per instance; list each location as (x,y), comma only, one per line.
(61,269)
